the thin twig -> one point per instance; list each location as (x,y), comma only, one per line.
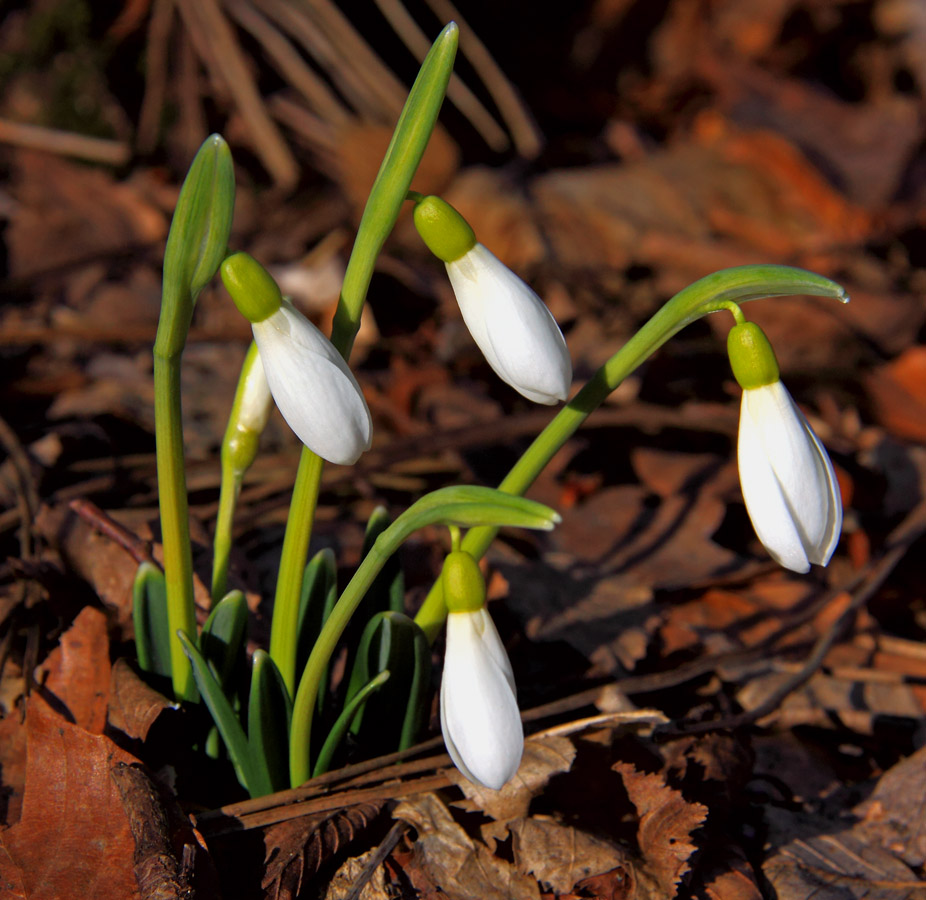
(65,143)
(524,131)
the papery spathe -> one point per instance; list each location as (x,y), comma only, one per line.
(514,329)
(479,712)
(313,387)
(787,479)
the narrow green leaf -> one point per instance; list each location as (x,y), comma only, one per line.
(339,729)
(253,779)
(319,583)
(149,616)
(223,636)
(269,713)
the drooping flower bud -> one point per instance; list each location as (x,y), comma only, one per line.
(312,385)
(787,479)
(511,325)
(479,712)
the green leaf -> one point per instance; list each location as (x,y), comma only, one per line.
(254,779)
(223,636)
(339,729)
(319,592)
(149,616)
(388,589)
(390,721)
(269,713)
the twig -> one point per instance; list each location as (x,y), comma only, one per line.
(899,543)
(281,53)
(524,131)
(65,143)
(152,102)
(457,92)
(387,845)
(139,549)
(216,44)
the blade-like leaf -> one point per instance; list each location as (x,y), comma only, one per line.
(223,636)
(254,780)
(149,616)
(339,729)
(269,712)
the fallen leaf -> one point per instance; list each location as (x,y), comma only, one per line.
(73,835)
(133,705)
(561,856)
(898,393)
(667,820)
(344,883)
(543,758)
(77,671)
(12,766)
(462,868)
(297,848)
(731,877)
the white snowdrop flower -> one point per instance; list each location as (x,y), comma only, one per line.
(791,492)
(311,384)
(513,328)
(479,712)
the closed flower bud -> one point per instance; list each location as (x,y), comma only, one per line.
(787,479)
(479,713)
(511,325)
(312,385)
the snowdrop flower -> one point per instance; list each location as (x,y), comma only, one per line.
(787,479)
(311,383)
(479,713)
(514,330)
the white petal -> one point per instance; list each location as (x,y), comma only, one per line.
(313,387)
(787,479)
(515,331)
(479,711)
(256,399)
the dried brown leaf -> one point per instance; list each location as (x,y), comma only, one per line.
(133,705)
(12,766)
(815,857)
(78,670)
(894,816)
(543,758)
(295,849)
(559,855)
(73,838)
(667,820)
(898,391)
(732,878)
(462,868)
(344,883)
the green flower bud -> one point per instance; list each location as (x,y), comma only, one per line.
(447,234)
(751,356)
(251,286)
(464,586)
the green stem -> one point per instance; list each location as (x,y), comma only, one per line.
(300,767)
(222,543)
(284,632)
(175,528)
(389,191)
(720,291)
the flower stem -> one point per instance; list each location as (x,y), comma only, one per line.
(389,191)
(222,543)
(175,526)
(720,291)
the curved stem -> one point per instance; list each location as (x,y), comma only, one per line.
(720,291)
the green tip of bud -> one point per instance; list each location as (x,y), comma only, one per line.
(447,234)
(251,287)
(463,584)
(751,356)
